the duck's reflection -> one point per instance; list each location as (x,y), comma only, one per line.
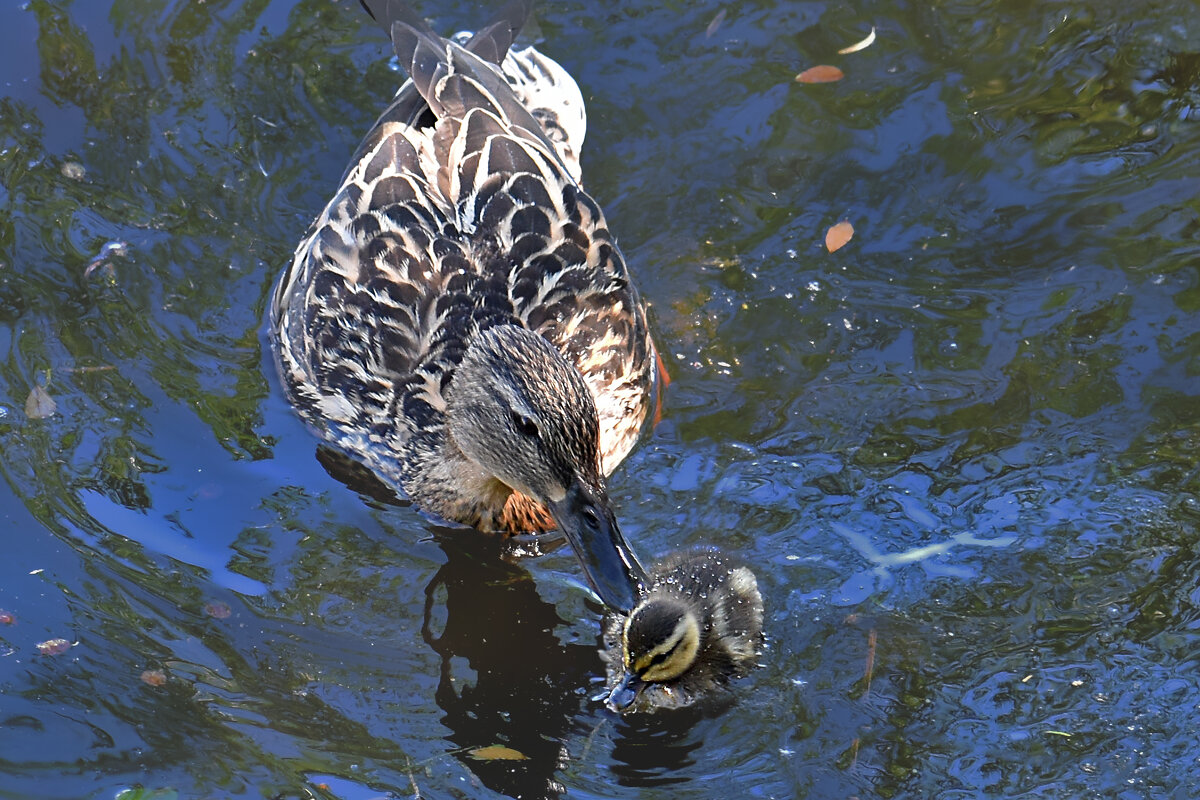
(507,683)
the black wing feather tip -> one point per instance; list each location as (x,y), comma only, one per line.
(493,40)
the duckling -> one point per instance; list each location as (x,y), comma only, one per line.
(697,625)
(459,318)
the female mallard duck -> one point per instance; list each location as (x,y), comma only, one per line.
(698,624)
(459,317)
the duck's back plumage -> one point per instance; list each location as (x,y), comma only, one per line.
(461,210)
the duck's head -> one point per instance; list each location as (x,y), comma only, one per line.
(520,411)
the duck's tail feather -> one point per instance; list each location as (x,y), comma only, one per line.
(409,107)
(491,42)
(457,84)
(456,88)
(554,100)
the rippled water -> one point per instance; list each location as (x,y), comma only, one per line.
(960,452)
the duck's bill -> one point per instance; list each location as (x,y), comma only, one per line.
(608,561)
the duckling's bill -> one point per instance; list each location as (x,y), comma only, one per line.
(621,696)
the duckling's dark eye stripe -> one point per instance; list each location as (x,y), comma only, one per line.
(659,658)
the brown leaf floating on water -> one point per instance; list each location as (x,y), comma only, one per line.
(837,236)
(497,752)
(39,404)
(822,73)
(6,617)
(218,610)
(53,647)
(154,677)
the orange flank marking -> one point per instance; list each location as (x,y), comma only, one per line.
(665,379)
(662,369)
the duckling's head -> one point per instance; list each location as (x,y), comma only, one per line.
(659,643)
(662,639)
(520,411)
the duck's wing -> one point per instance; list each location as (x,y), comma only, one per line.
(530,225)
(351,310)
(470,218)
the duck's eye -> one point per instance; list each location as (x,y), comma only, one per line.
(590,518)
(524,425)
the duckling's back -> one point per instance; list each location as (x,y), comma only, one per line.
(724,592)
(461,210)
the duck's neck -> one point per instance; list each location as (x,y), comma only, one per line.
(435,471)
(440,479)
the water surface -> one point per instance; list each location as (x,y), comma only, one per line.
(960,452)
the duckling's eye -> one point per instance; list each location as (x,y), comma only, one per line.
(524,425)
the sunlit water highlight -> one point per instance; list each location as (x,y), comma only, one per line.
(960,452)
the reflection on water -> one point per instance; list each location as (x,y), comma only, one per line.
(959,452)
(505,677)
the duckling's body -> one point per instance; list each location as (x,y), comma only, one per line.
(697,625)
(459,317)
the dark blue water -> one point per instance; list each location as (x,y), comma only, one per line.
(960,452)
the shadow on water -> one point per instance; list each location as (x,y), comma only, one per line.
(509,687)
